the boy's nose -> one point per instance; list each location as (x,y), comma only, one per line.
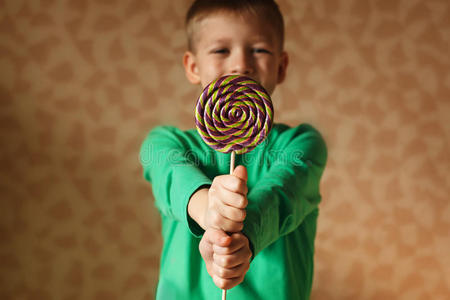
(241,64)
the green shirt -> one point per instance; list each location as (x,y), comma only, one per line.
(283,182)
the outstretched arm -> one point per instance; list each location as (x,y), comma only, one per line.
(182,190)
(168,164)
(282,199)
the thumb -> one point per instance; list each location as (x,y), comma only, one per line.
(217,237)
(240,172)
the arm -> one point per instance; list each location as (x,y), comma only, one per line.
(281,200)
(183,192)
(167,165)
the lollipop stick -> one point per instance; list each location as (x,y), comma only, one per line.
(233,157)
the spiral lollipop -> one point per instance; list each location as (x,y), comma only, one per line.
(234,114)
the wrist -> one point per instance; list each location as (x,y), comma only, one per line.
(197,206)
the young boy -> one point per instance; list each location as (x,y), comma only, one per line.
(250,234)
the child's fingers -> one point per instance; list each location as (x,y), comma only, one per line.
(231,273)
(232,213)
(232,248)
(233,199)
(231,263)
(217,237)
(217,221)
(227,261)
(232,260)
(238,241)
(231,183)
(226,284)
(231,226)
(240,172)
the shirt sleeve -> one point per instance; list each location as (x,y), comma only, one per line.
(167,164)
(281,200)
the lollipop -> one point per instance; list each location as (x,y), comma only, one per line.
(233,114)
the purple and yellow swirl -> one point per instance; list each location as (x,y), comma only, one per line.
(234,113)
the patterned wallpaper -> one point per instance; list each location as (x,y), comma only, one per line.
(82,82)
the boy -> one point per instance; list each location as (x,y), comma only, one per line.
(252,235)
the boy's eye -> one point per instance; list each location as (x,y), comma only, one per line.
(220,51)
(261,50)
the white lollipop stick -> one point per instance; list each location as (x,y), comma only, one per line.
(233,157)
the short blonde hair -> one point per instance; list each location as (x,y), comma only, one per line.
(266,10)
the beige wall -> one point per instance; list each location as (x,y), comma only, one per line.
(82,82)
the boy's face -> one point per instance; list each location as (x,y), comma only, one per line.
(227,43)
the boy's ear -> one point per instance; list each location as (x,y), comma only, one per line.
(190,67)
(282,66)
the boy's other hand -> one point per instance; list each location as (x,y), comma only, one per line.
(212,237)
(227,260)
(227,200)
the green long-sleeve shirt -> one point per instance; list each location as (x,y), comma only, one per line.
(283,183)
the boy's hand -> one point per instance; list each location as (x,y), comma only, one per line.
(227,200)
(227,258)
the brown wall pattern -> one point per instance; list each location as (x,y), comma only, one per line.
(82,82)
